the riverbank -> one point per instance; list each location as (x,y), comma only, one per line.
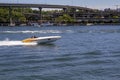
(56,24)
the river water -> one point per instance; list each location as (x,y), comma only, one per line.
(83,53)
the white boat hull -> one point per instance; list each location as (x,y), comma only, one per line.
(41,40)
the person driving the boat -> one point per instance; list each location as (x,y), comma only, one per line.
(33,37)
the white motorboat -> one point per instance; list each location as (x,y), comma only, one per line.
(89,24)
(41,40)
(35,24)
(47,24)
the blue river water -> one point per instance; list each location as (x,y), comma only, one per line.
(83,53)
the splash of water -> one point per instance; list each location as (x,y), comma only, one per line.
(7,39)
(14,43)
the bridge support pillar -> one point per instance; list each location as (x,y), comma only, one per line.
(40,9)
(65,10)
(10,17)
(74,13)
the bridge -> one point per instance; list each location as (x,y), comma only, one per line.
(40,6)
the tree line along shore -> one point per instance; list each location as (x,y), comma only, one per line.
(24,16)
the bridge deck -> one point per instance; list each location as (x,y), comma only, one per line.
(40,5)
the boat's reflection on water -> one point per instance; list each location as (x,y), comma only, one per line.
(42,45)
(48,44)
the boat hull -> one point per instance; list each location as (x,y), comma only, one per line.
(41,40)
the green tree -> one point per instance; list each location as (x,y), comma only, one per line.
(19,17)
(65,18)
(115,16)
(4,15)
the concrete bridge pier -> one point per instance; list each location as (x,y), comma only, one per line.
(65,10)
(10,17)
(40,9)
(11,23)
(74,13)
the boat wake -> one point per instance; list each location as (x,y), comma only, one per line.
(15,43)
(30,31)
(30,41)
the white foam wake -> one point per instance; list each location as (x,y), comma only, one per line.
(29,31)
(14,43)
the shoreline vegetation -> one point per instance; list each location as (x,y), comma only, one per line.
(31,17)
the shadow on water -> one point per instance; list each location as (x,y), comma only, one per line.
(48,44)
(92,53)
(42,45)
